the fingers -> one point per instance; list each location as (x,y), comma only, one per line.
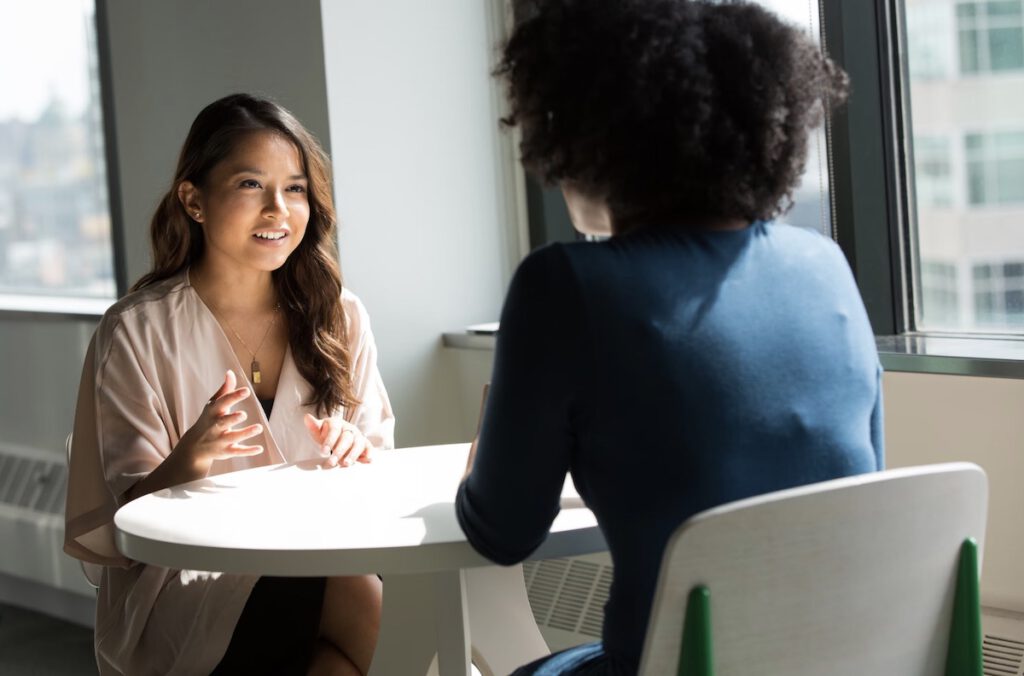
(367,455)
(232,440)
(340,441)
(230,437)
(351,445)
(225,387)
(331,439)
(222,404)
(229,420)
(357,450)
(315,427)
(238,450)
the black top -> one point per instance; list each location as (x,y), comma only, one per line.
(268,406)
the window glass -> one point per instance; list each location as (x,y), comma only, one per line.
(966,138)
(991,35)
(930,54)
(933,167)
(812,205)
(995,167)
(55,235)
(941,293)
(999,294)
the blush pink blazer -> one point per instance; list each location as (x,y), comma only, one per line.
(156,358)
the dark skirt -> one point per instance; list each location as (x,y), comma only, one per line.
(278,629)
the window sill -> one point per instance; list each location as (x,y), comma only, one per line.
(28,306)
(468,340)
(979,356)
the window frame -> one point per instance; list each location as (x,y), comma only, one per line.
(28,306)
(870,164)
(873,189)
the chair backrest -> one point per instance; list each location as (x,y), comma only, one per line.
(92,572)
(847,577)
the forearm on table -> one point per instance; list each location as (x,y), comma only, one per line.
(175,469)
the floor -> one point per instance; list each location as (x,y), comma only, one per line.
(32,644)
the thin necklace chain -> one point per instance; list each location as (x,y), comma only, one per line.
(252,353)
(255,375)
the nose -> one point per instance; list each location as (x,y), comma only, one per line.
(276,207)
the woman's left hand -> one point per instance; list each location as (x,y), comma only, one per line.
(340,440)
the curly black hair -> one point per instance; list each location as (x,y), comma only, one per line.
(672,111)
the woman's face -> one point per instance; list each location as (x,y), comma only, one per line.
(254,206)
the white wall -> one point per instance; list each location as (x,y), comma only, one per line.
(427,239)
(940,418)
(39,369)
(170,59)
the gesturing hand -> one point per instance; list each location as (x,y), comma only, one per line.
(213,436)
(340,440)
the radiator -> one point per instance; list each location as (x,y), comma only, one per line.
(32,488)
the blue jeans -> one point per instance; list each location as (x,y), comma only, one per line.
(588,659)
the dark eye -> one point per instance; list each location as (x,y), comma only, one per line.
(297,188)
(249,183)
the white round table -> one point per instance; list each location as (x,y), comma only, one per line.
(394,516)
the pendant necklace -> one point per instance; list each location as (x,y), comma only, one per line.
(254,368)
(255,376)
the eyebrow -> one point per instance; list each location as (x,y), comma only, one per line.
(259,172)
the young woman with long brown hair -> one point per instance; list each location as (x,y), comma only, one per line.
(245,289)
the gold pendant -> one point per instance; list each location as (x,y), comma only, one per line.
(255,369)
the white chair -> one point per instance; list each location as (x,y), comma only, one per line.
(91,571)
(842,578)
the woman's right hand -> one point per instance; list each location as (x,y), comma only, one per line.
(214,436)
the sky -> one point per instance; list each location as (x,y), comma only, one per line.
(42,54)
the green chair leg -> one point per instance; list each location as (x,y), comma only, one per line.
(964,655)
(695,658)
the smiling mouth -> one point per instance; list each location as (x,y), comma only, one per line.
(270,236)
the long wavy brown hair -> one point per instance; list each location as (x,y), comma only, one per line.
(309,283)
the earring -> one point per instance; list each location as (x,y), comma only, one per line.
(197,215)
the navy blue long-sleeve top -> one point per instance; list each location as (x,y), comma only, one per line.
(669,371)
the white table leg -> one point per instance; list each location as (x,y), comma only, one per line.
(447,613)
(452,623)
(422,616)
(504,633)
(407,642)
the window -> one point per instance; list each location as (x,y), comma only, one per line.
(995,167)
(999,294)
(55,224)
(812,205)
(939,293)
(933,169)
(991,36)
(930,40)
(966,138)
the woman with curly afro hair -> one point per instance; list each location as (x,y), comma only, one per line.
(705,351)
